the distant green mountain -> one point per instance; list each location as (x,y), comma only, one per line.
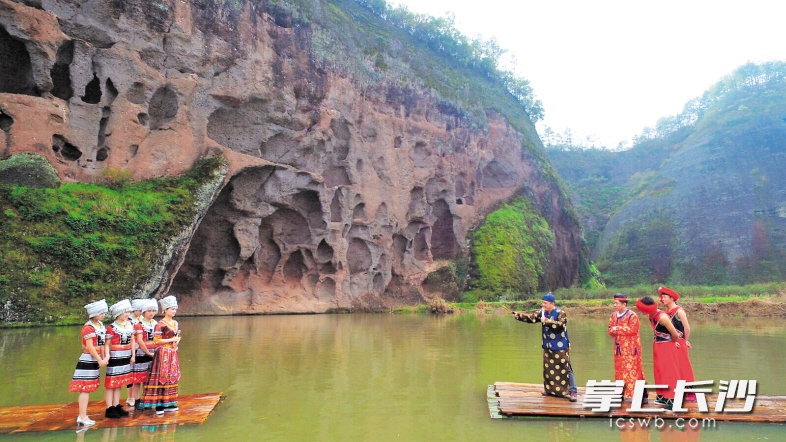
(699,199)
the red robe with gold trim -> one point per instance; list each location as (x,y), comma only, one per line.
(628,365)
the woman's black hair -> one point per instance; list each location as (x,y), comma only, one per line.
(647,300)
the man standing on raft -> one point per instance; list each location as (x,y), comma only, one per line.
(558,379)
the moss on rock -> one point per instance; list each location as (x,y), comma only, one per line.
(28,169)
(62,247)
(510,251)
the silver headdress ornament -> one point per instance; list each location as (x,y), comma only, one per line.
(138,303)
(168,302)
(96,308)
(150,304)
(120,307)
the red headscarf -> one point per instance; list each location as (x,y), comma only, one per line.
(644,308)
(667,291)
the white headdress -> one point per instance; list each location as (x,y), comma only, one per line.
(168,302)
(138,303)
(120,307)
(96,308)
(150,304)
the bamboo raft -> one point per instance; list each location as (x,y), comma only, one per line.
(194,409)
(509,399)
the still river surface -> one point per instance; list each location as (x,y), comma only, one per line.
(379,377)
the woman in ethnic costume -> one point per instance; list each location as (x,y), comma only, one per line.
(121,347)
(679,319)
(135,387)
(160,390)
(624,328)
(144,331)
(666,351)
(87,374)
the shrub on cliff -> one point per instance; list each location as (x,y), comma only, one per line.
(510,250)
(61,247)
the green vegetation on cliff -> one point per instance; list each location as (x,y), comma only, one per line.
(698,198)
(62,247)
(510,252)
(403,54)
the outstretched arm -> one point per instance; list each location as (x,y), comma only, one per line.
(528,317)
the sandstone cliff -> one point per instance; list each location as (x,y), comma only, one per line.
(350,180)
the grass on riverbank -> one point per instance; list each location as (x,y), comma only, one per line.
(62,247)
(589,299)
(686,292)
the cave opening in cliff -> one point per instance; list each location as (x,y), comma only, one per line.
(324,252)
(65,149)
(308,202)
(6,121)
(268,254)
(92,91)
(163,107)
(103,151)
(61,71)
(358,256)
(16,75)
(336,207)
(289,227)
(359,212)
(111,91)
(443,239)
(420,244)
(294,268)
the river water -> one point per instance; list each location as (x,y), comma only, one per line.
(381,377)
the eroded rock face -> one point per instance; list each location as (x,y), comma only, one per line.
(338,196)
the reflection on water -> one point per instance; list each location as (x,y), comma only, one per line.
(157,433)
(384,377)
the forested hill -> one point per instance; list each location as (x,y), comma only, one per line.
(699,199)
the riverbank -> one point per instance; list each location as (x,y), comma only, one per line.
(702,306)
(706,307)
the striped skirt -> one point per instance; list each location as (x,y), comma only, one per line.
(86,376)
(141,368)
(118,371)
(161,386)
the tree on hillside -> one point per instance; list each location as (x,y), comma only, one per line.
(441,35)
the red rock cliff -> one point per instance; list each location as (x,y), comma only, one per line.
(342,192)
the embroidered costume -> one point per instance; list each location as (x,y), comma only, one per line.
(670,363)
(628,365)
(558,379)
(118,371)
(141,368)
(87,376)
(161,386)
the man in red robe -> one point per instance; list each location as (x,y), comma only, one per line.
(624,328)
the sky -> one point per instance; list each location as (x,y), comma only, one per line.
(607,69)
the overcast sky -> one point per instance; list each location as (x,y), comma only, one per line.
(609,68)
